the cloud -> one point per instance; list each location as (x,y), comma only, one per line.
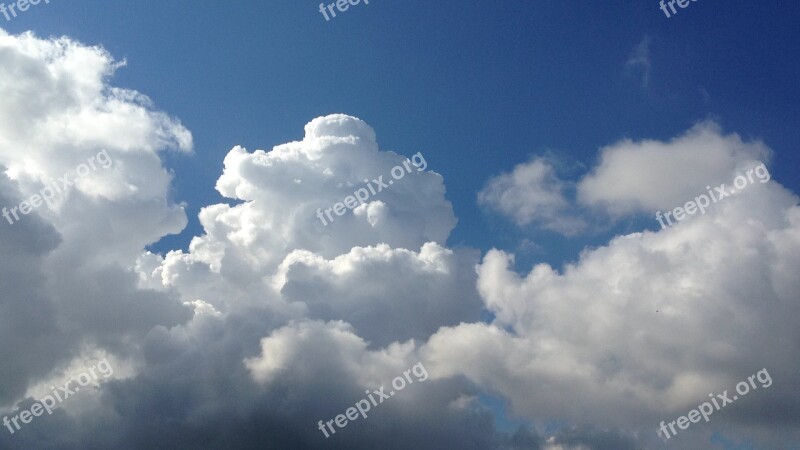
(81,283)
(271,321)
(419,292)
(631,178)
(642,329)
(532,194)
(588,437)
(282,190)
(66,290)
(59,108)
(647,175)
(640,59)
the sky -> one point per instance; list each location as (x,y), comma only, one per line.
(538,267)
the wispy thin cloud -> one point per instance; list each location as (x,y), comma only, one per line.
(640,60)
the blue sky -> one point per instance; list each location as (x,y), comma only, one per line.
(477,88)
(481,89)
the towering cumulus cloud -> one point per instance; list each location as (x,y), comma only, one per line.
(271,321)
